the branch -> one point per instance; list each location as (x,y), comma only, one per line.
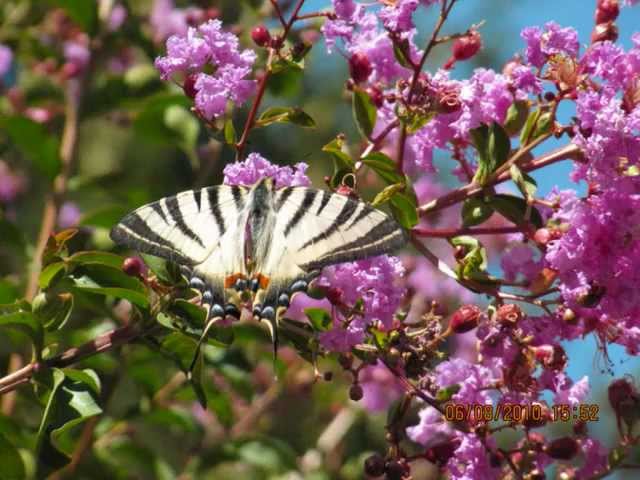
(262,86)
(102,343)
(455,232)
(567,152)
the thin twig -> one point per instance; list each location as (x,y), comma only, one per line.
(570,151)
(455,232)
(102,343)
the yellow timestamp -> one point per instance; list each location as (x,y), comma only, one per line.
(517,413)
(584,412)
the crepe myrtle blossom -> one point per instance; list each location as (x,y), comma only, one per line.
(543,43)
(256,167)
(209,46)
(380,387)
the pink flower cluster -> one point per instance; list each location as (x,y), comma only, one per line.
(210,46)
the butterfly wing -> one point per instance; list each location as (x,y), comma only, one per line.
(190,229)
(316,228)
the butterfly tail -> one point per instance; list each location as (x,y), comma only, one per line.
(202,338)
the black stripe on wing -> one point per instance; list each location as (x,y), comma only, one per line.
(345,214)
(135,233)
(212,195)
(176,214)
(303,209)
(383,238)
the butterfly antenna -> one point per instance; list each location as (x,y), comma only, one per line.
(202,338)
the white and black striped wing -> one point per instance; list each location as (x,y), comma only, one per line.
(316,228)
(187,227)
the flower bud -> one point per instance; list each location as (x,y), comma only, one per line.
(509,314)
(260,35)
(376,95)
(604,31)
(132,266)
(563,448)
(540,421)
(569,317)
(465,318)
(551,356)
(374,465)
(355,392)
(607,11)
(359,67)
(464,48)
(189,86)
(542,236)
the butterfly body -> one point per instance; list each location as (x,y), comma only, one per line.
(259,242)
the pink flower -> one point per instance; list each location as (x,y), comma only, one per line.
(210,45)
(552,40)
(256,167)
(6,60)
(380,387)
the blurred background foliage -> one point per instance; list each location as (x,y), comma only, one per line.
(137,142)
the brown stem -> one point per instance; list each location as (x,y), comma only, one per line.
(276,7)
(102,343)
(308,16)
(433,41)
(570,151)
(262,86)
(455,232)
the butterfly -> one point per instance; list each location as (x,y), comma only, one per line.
(259,241)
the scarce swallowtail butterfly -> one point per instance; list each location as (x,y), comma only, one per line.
(268,242)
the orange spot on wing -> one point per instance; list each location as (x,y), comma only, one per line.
(264,281)
(231,280)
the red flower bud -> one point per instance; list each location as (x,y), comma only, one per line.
(465,318)
(359,67)
(260,35)
(607,11)
(464,48)
(604,31)
(189,86)
(132,266)
(376,95)
(542,236)
(551,356)
(563,448)
(374,465)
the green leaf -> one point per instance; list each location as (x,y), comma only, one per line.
(387,193)
(403,207)
(320,319)
(183,348)
(35,143)
(516,117)
(286,79)
(342,163)
(364,112)
(18,316)
(162,269)
(493,146)
(12,465)
(294,115)
(516,210)
(53,310)
(230,136)
(525,182)
(82,12)
(475,211)
(401,50)
(51,274)
(72,400)
(104,217)
(8,292)
(106,280)
(96,258)
(475,260)
(538,123)
(543,125)
(384,167)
